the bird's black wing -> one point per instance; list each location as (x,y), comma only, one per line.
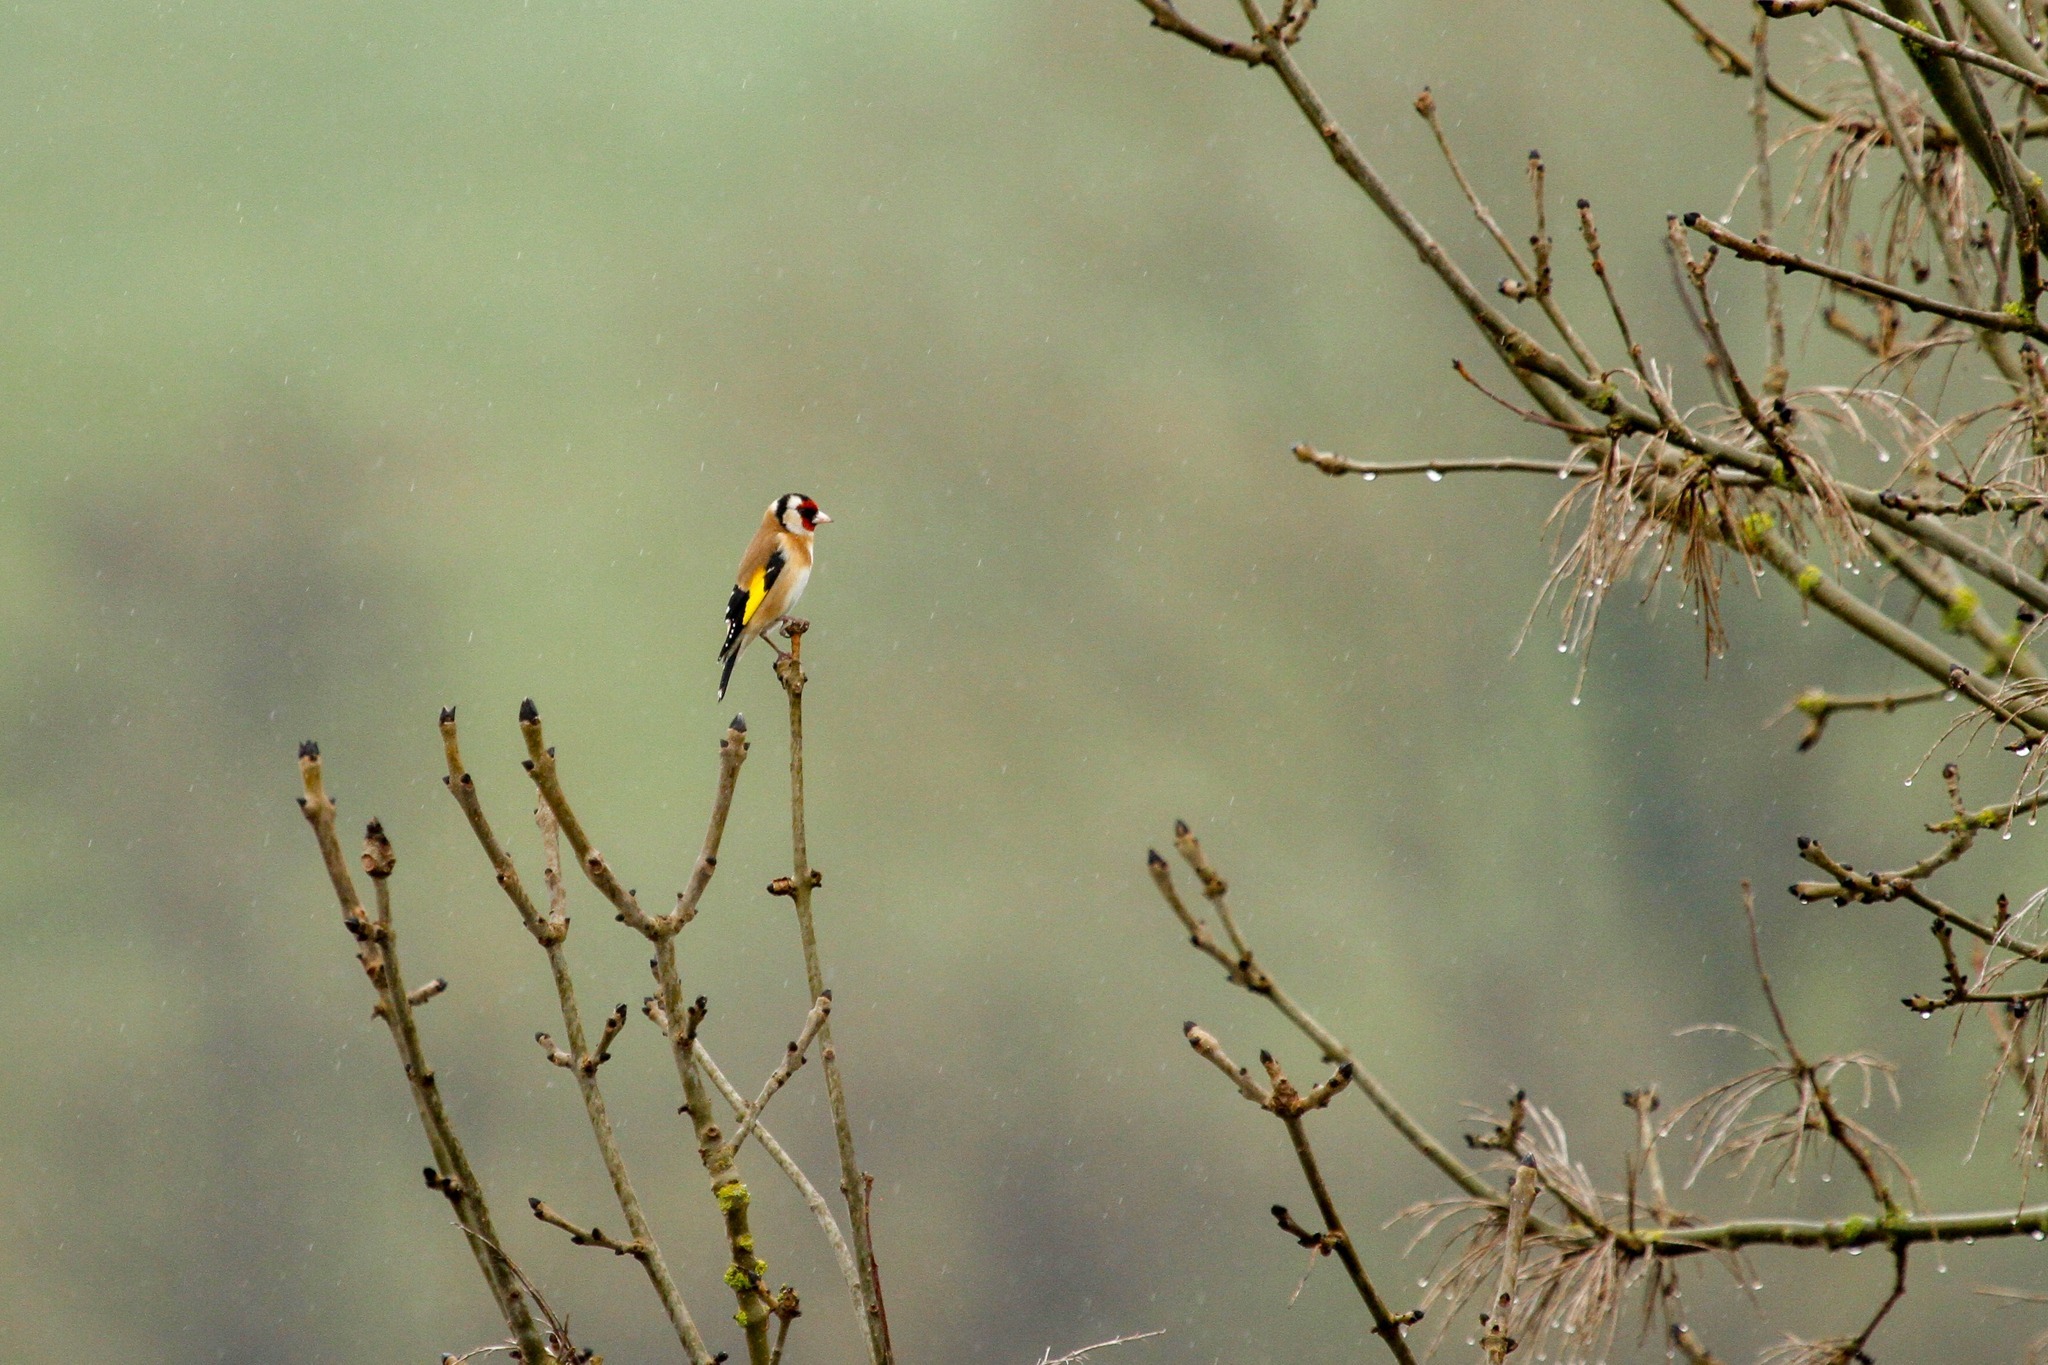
(746,600)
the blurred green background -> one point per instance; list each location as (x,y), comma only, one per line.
(362,358)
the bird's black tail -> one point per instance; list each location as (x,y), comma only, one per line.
(725,678)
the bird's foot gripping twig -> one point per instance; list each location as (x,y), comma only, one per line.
(789,664)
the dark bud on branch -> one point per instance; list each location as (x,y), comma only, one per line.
(1320,1241)
(529,714)
(379,859)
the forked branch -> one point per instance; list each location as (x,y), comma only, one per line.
(377,950)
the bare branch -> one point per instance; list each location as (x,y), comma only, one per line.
(2018,320)
(1246,972)
(789,670)
(792,1059)
(551,932)
(1962,52)
(1165,16)
(587,1237)
(1338,466)
(377,951)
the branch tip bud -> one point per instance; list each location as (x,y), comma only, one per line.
(529,714)
(309,749)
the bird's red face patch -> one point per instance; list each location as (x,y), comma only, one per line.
(808,510)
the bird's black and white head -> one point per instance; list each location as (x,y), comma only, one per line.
(798,514)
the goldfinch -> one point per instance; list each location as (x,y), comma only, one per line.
(772,576)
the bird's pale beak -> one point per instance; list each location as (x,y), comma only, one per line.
(821,518)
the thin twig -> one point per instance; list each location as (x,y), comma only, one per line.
(1168,18)
(377,951)
(1819,706)
(813,1200)
(1075,1357)
(551,931)
(1280,1098)
(1338,466)
(792,1059)
(789,671)
(1766,254)
(1245,971)
(666,1009)
(1735,64)
(1817,586)
(1946,47)
(1530,283)
(1386,1325)
(1808,1076)
(1775,376)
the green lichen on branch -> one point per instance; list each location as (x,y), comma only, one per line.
(1961,609)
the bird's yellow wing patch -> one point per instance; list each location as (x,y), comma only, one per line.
(757,588)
